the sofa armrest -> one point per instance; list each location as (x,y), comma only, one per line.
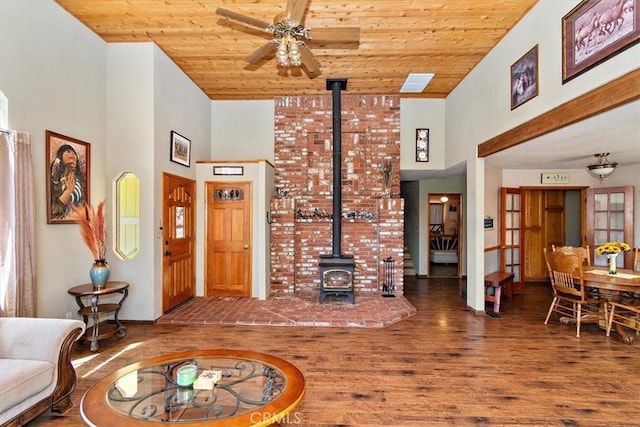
(49,340)
(36,338)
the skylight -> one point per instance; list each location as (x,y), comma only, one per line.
(415,83)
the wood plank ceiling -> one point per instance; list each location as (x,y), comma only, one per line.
(445,37)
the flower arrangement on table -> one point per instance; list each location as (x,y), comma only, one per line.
(611,250)
(92,228)
(94,233)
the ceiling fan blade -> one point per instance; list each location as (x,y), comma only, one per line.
(242,18)
(335,34)
(263,51)
(296,9)
(308,59)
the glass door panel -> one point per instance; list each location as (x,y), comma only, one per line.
(510,229)
(610,219)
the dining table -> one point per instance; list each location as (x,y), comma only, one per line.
(610,286)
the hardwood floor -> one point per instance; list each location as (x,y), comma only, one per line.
(443,270)
(442,366)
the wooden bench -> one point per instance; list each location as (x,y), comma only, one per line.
(498,280)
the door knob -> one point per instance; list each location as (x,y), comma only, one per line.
(245,246)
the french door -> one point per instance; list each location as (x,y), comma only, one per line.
(610,219)
(511,248)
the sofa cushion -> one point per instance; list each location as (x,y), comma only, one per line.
(20,379)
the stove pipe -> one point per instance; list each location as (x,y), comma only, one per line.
(336,85)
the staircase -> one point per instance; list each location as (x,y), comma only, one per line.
(409,269)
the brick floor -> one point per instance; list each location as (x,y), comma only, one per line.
(299,309)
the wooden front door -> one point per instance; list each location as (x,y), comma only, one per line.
(228,242)
(543,226)
(178,230)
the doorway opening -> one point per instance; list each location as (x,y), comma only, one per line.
(444,253)
(550,217)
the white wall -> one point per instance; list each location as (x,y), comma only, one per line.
(242,130)
(56,74)
(493,178)
(131,143)
(53,72)
(149,96)
(480,108)
(420,114)
(181,106)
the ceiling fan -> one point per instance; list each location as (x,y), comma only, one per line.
(291,38)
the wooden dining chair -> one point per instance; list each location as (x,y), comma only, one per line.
(583,252)
(636,259)
(625,313)
(570,299)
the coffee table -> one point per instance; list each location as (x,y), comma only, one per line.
(256,389)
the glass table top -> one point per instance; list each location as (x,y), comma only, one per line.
(252,386)
(153,393)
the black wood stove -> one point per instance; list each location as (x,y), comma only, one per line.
(337,270)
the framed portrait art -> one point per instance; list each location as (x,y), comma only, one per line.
(524,78)
(422,145)
(180,149)
(68,162)
(596,30)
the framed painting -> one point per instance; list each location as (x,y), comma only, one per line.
(68,171)
(596,30)
(180,149)
(524,78)
(422,145)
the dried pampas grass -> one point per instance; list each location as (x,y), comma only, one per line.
(92,228)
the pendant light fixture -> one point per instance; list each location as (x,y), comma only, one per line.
(603,166)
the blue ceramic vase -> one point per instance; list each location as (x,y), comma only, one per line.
(99,273)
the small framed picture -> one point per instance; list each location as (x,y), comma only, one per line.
(180,149)
(524,78)
(68,167)
(422,145)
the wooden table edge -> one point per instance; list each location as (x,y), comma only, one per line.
(295,389)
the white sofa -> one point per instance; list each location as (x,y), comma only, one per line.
(36,373)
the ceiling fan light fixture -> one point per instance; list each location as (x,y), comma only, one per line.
(289,36)
(288,52)
(603,166)
(294,54)
(282,54)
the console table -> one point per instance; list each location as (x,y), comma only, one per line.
(95,309)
